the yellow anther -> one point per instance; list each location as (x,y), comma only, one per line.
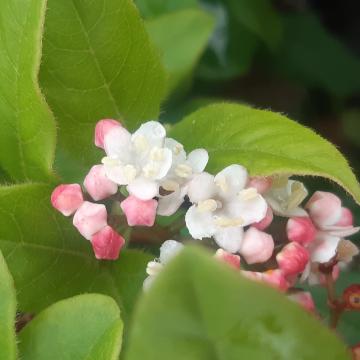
(207,205)
(183,170)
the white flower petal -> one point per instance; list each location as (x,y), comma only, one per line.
(229,238)
(117,143)
(120,174)
(323,248)
(198,160)
(200,223)
(169,249)
(153,132)
(341,231)
(177,149)
(201,187)
(169,204)
(250,210)
(231,180)
(143,189)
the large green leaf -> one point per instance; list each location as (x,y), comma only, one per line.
(27,128)
(199,309)
(7,313)
(154,8)
(97,63)
(186,36)
(85,327)
(50,261)
(265,142)
(314,57)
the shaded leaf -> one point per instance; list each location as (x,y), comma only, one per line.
(154,8)
(181,45)
(266,143)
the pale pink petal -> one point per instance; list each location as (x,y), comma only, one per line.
(98,185)
(292,259)
(198,159)
(346,218)
(276,279)
(229,238)
(257,246)
(143,189)
(304,299)
(90,218)
(67,198)
(301,230)
(228,258)
(199,223)
(139,212)
(102,128)
(107,243)
(266,221)
(324,247)
(201,187)
(231,180)
(324,209)
(169,249)
(117,143)
(261,184)
(341,231)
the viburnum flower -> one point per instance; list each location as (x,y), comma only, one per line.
(107,243)
(184,168)
(139,160)
(228,258)
(323,228)
(283,195)
(67,198)
(274,278)
(222,207)
(168,250)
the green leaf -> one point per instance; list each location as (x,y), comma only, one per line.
(83,327)
(27,128)
(266,143)
(312,56)
(50,261)
(154,8)
(187,33)
(97,63)
(7,313)
(201,309)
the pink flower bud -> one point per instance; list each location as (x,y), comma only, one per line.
(139,212)
(276,279)
(98,185)
(304,299)
(346,218)
(266,221)
(90,218)
(324,208)
(102,128)
(230,259)
(261,184)
(67,198)
(292,259)
(257,246)
(107,243)
(301,230)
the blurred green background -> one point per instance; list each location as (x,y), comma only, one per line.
(297,57)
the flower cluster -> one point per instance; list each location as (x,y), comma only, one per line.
(147,173)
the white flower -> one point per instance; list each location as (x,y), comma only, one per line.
(223,207)
(140,160)
(285,197)
(168,250)
(183,169)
